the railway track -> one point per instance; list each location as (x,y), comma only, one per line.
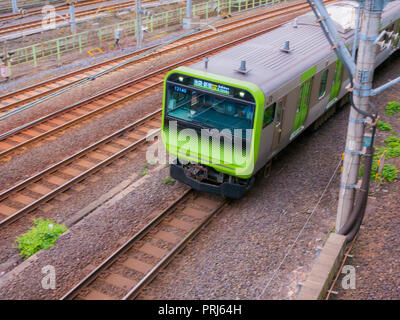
(6,7)
(13,100)
(79,14)
(29,194)
(57,7)
(26,196)
(131,267)
(71,115)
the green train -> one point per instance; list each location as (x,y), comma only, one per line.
(225,118)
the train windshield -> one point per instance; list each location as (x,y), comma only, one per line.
(208,110)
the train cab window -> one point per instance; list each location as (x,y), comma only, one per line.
(207,110)
(269,114)
(324,81)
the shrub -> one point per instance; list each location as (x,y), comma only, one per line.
(389,172)
(392,148)
(40,236)
(383,126)
(169,180)
(392,108)
(144,172)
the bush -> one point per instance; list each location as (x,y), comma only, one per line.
(392,148)
(392,108)
(389,172)
(169,180)
(383,126)
(41,236)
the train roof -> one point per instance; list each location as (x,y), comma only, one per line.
(268,66)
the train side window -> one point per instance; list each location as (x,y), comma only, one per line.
(269,114)
(324,81)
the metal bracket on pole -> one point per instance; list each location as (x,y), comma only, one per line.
(339,46)
(354,120)
(350,186)
(376,91)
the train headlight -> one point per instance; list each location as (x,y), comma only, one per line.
(241,94)
(180,79)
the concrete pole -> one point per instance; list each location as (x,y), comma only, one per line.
(72,17)
(187,21)
(139,29)
(355,132)
(14,6)
(188,9)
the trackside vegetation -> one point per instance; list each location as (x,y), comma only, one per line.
(390,150)
(383,126)
(42,235)
(392,108)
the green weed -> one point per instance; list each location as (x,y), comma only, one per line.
(392,108)
(169,180)
(40,236)
(383,126)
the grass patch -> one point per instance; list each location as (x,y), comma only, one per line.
(144,172)
(169,181)
(40,236)
(392,148)
(146,165)
(389,172)
(383,126)
(392,108)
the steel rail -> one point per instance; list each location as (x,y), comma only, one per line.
(113,90)
(258,18)
(150,275)
(83,13)
(38,11)
(65,186)
(123,248)
(134,292)
(46,197)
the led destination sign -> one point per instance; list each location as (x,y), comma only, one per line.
(189,81)
(211,86)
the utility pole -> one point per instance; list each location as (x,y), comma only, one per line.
(139,28)
(363,79)
(72,15)
(14,6)
(359,135)
(188,19)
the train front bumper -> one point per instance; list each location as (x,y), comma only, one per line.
(228,190)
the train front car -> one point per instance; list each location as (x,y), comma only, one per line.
(212,125)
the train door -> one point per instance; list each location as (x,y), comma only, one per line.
(278,124)
(337,82)
(302,109)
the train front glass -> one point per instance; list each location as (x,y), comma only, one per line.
(200,103)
